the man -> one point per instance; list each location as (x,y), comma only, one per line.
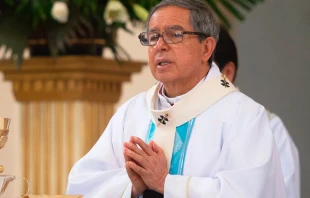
(225,56)
(191,135)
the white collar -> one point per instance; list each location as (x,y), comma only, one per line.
(165,102)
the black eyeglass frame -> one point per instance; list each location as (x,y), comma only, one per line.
(161,35)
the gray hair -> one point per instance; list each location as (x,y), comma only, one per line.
(202,17)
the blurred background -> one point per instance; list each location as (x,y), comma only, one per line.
(60,106)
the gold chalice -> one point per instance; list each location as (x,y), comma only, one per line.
(4,134)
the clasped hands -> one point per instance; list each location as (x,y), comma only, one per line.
(146,166)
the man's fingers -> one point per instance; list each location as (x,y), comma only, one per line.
(142,145)
(135,148)
(138,169)
(136,157)
(156,148)
(128,169)
(131,173)
(126,157)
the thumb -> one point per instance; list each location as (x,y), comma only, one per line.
(156,148)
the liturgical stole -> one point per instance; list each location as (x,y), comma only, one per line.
(171,128)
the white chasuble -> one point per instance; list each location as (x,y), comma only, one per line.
(231,151)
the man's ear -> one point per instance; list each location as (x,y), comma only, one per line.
(229,71)
(208,47)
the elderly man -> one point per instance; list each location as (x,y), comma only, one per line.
(225,56)
(191,135)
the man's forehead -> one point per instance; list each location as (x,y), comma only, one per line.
(167,27)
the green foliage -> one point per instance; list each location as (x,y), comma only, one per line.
(21,19)
(235,7)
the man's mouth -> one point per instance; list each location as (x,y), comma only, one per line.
(163,63)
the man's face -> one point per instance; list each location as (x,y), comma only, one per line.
(176,62)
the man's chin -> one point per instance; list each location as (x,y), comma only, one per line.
(166,79)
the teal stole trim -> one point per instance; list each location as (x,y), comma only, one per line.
(181,140)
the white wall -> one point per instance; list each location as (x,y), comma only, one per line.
(274,52)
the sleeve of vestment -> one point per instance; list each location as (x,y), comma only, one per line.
(289,157)
(101,172)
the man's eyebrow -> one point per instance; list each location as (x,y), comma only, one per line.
(153,30)
(175,27)
(172,27)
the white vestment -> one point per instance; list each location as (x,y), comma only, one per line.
(231,153)
(289,156)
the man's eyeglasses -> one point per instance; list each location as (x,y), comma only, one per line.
(169,36)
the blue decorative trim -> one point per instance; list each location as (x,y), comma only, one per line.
(181,140)
(188,132)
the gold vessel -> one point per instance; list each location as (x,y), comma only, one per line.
(4,134)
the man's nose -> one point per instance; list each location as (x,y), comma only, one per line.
(161,44)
